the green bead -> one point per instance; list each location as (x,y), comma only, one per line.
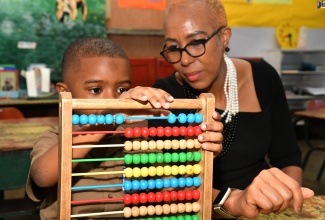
(167,157)
(188,217)
(150,218)
(195,217)
(165,218)
(182,157)
(128,159)
(158,218)
(136,158)
(197,156)
(160,158)
(189,156)
(144,158)
(175,157)
(180,217)
(152,158)
(173,218)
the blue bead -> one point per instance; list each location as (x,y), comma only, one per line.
(190,118)
(189,181)
(171,118)
(109,119)
(135,185)
(196,181)
(159,183)
(182,118)
(75,119)
(92,119)
(166,183)
(143,184)
(119,119)
(174,182)
(100,119)
(127,185)
(83,119)
(198,118)
(151,184)
(181,182)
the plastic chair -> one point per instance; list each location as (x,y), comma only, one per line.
(10,113)
(309,124)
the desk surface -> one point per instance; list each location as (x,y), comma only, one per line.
(18,134)
(313,208)
(14,102)
(317,113)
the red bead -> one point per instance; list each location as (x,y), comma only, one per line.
(160,131)
(136,132)
(190,131)
(128,132)
(168,131)
(127,199)
(188,195)
(196,194)
(144,132)
(135,199)
(198,130)
(151,197)
(181,195)
(166,196)
(173,196)
(175,131)
(183,131)
(159,196)
(152,131)
(143,198)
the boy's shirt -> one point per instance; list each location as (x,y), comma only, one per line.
(49,196)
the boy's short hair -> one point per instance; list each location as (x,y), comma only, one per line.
(88,47)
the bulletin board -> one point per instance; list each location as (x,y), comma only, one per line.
(268,13)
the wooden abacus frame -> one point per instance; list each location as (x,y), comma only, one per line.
(205,104)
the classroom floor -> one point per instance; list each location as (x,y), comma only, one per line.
(309,178)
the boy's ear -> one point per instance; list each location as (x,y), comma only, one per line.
(61,87)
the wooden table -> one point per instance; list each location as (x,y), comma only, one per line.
(317,113)
(18,134)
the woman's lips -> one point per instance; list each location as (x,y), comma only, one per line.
(192,76)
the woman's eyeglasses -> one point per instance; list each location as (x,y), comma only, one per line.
(195,48)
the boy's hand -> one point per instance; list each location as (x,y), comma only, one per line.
(158,98)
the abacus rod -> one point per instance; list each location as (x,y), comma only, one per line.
(98,146)
(96,159)
(131,104)
(96,214)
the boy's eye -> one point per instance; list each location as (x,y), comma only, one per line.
(121,90)
(95,90)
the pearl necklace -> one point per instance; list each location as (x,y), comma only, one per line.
(230,89)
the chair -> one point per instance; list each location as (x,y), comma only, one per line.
(314,127)
(10,113)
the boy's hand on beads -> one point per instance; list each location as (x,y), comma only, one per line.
(158,98)
(211,137)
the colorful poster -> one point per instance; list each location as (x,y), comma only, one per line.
(143,4)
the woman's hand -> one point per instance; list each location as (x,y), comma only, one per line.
(211,137)
(271,191)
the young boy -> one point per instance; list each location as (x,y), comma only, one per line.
(91,68)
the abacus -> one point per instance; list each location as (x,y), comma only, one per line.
(199,175)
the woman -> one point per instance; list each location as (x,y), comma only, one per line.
(251,100)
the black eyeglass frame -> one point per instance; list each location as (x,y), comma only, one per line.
(202,41)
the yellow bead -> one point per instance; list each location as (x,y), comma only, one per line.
(197,144)
(143,211)
(182,144)
(175,144)
(197,168)
(167,170)
(175,170)
(127,212)
(128,172)
(144,171)
(159,209)
(196,207)
(182,169)
(188,207)
(189,169)
(136,172)
(160,144)
(152,171)
(160,171)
